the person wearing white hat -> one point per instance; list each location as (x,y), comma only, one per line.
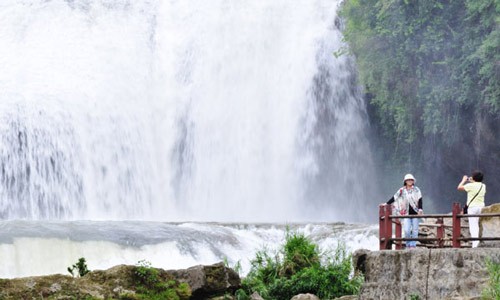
(408,201)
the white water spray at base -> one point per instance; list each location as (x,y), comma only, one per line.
(32,248)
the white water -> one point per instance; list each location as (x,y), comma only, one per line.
(176,111)
(179,111)
(29,248)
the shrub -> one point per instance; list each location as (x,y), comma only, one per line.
(492,291)
(152,286)
(300,267)
(80,267)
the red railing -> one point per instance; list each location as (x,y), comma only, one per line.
(386,221)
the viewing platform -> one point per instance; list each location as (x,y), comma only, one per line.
(457,239)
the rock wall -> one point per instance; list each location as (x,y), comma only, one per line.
(424,273)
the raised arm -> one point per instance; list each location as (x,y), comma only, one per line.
(460,186)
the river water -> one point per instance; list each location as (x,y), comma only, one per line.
(29,248)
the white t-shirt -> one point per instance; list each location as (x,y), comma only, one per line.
(472,189)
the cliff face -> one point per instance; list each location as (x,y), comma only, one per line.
(426,273)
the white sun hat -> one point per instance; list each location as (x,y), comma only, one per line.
(408,177)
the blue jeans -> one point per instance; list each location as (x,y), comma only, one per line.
(410,228)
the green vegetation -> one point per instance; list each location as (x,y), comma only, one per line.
(300,267)
(80,267)
(493,289)
(414,297)
(236,267)
(153,286)
(431,74)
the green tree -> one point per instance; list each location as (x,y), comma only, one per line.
(431,74)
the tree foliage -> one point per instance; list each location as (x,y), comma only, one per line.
(431,70)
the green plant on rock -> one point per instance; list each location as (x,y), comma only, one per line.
(492,291)
(300,267)
(236,267)
(241,295)
(414,297)
(153,286)
(80,267)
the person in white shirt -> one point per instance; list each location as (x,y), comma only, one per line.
(476,190)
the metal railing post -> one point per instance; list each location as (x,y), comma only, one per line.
(456,225)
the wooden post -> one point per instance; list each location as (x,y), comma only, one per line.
(399,244)
(456,225)
(440,232)
(385,227)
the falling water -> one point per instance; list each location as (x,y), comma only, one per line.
(179,110)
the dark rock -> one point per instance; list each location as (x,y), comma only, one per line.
(208,281)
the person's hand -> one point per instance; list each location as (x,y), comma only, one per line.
(460,186)
(420,212)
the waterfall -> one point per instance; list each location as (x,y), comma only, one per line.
(179,111)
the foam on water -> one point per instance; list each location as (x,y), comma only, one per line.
(26,251)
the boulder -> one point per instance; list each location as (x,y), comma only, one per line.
(208,281)
(490,226)
(305,297)
(256,296)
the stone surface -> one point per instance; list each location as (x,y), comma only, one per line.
(118,282)
(208,280)
(490,226)
(256,296)
(348,297)
(426,273)
(305,297)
